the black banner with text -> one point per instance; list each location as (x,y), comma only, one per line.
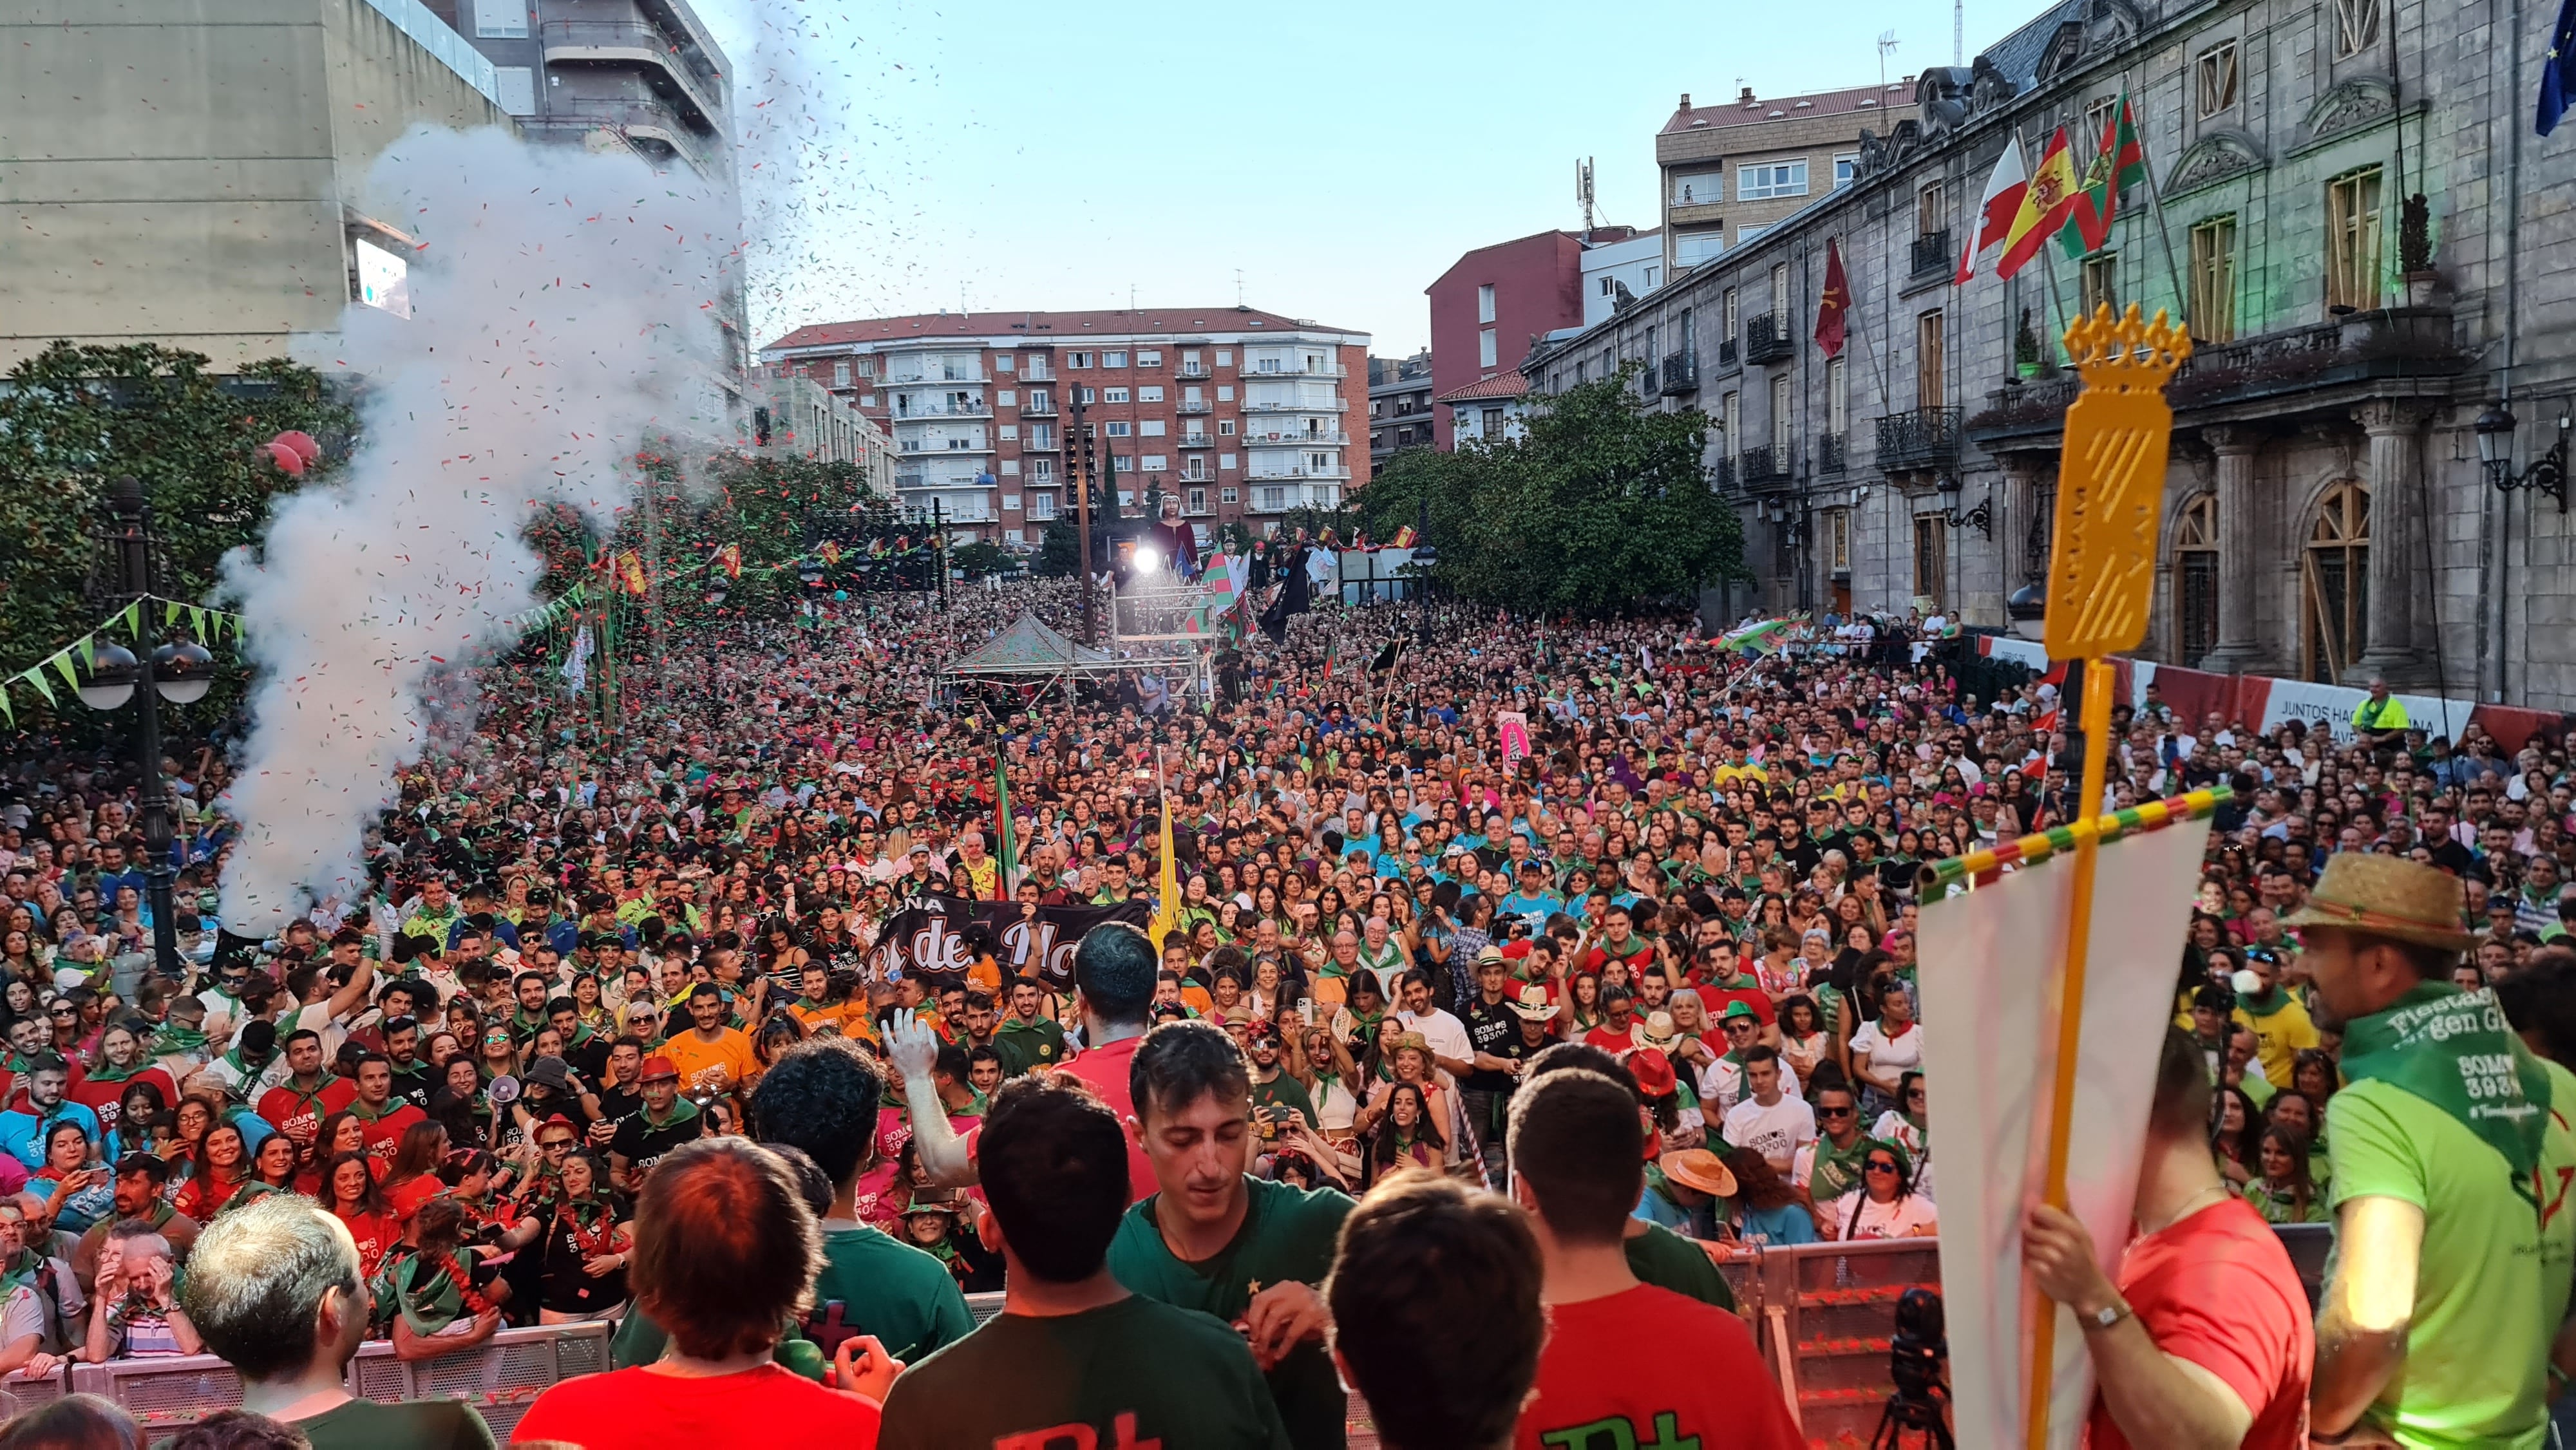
(930,942)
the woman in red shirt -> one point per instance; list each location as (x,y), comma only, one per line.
(223,1166)
(356,1201)
(413,1178)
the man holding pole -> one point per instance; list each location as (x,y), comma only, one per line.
(2452,1160)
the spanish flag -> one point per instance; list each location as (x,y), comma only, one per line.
(2045,207)
(830,551)
(1404,537)
(1167,885)
(729,558)
(630,571)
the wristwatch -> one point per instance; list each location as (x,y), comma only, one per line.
(2106,1316)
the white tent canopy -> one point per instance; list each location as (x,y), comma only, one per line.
(1029,649)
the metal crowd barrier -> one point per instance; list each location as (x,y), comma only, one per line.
(499,1378)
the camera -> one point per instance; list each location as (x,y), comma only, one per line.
(1915,1350)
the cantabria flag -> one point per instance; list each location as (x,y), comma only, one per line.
(1991,959)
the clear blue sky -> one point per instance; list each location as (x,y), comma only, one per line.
(1339,155)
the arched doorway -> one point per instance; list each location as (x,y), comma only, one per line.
(2334,583)
(2195,580)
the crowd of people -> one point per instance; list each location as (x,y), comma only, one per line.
(613,1036)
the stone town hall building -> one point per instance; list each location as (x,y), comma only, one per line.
(2348,205)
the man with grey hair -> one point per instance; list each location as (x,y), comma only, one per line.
(273,1287)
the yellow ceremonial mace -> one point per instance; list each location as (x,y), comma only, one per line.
(2101,578)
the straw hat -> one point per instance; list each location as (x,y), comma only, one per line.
(1699,1168)
(1533,1005)
(2384,896)
(1660,1031)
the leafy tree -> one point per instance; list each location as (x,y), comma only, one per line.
(75,418)
(1602,504)
(981,558)
(1059,551)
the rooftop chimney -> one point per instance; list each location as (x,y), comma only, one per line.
(1747,96)
(1685,100)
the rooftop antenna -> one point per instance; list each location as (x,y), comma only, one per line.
(1238,286)
(1583,191)
(1958,32)
(1886,48)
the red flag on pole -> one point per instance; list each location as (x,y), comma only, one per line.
(1834,303)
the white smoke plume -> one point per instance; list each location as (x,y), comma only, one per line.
(564,310)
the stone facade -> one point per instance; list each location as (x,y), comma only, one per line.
(2370,249)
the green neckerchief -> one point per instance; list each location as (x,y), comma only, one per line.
(682,1110)
(427,1308)
(109,1072)
(521,1021)
(358,1109)
(2258,1009)
(249,1070)
(311,1098)
(174,1039)
(1836,1171)
(2453,1050)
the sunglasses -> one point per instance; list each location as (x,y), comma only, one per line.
(1879,1165)
(1835,1112)
(556,1145)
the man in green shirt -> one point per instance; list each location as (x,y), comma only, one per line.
(1074,1357)
(2452,1158)
(1248,1250)
(273,1286)
(1273,1088)
(1027,1041)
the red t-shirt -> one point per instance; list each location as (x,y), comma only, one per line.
(105,1096)
(1714,999)
(1588,1374)
(2217,1289)
(1105,1068)
(376,1235)
(299,1116)
(636,1409)
(384,1134)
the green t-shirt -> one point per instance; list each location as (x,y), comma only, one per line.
(1287,1233)
(904,1297)
(2492,1284)
(1131,1373)
(413,1425)
(1282,1093)
(1025,1047)
(1666,1260)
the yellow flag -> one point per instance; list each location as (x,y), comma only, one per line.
(1167,885)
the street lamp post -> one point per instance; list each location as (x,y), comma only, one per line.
(2547,475)
(180,672)
(1425,557)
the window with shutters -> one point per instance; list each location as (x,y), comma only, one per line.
(2101,284)
(2195,580)
(1931,555)
(2352,237)
(2214,81)
(2213,280)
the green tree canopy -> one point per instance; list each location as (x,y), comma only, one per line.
(73,419)
(1602,504)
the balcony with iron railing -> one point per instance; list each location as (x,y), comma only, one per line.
(933,447)
(1198,440)
(2323,367)
(1278,438)
(1930,256)
(1927,438)
(684,71)
(1721,476)
(1726,352)
(1829,453)
(917,376)
(1038,410)
(1189,408)
(1766,340)
(1765,467)
(1036,375)
(1680,374)
(920,478)
(1193,370)
(1337,405)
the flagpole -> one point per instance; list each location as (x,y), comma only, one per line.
(2164,236)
